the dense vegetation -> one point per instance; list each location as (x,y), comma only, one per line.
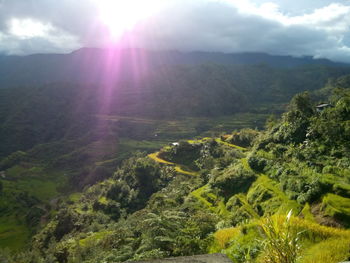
(101,66)
(227,194)
(42,113)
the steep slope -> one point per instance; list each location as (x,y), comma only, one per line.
(230,194)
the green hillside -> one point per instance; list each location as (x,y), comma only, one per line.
(52,111)
(277,195)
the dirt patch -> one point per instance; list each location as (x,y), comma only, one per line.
(322,219)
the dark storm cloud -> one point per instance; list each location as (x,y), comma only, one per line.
(318,28)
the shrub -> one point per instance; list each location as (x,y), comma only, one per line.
(243,138)
(233,180)
(13,159)
(281,244)
(257,164)
(337,207)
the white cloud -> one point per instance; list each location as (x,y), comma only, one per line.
(244,26)
(28,28)
(331,16)
(33,36)
(319,28)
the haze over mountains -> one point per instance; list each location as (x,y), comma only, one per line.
(43,97)
(89,65)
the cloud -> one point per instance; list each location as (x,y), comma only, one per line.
(244,26)
(318,28)
(28,28)
(25,36)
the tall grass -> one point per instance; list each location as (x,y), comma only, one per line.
(329,251)
(223,236)
(281,241)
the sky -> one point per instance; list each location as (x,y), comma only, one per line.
(319,28)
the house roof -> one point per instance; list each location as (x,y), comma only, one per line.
(323,105)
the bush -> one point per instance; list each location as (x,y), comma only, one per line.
(234,179)
(243,138)
(257,164)
(13,159)
(281,242)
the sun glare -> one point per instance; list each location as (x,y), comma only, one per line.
(122,15)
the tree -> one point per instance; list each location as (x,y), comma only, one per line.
(301,104)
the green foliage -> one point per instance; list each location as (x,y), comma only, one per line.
(337,207)
(13,159)
(241,244)
(14,234)
(257,164)
(232,180)
(296,120)
(281,242)
(185,153)
(246,247)
(198,196)
(307,214)
(244,137)
(328,251)
(266,198)
(241,210)
(142,175)
(302,184)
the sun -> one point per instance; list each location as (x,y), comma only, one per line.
(120,16)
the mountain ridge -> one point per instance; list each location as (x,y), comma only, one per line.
(195,56)
(89,65)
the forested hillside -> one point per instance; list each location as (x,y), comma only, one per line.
(277,195)
(43,113)
(93,65)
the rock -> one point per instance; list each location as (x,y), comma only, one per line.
(210,258)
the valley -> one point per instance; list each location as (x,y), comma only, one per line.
(35,176)
(247,194)
(197,158)
(156,131)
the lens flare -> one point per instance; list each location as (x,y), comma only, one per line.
(120,16)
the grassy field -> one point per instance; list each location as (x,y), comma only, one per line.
(184,128)
(21,187)
(14,233)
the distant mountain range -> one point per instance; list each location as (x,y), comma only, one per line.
(44,98)
(96,66)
